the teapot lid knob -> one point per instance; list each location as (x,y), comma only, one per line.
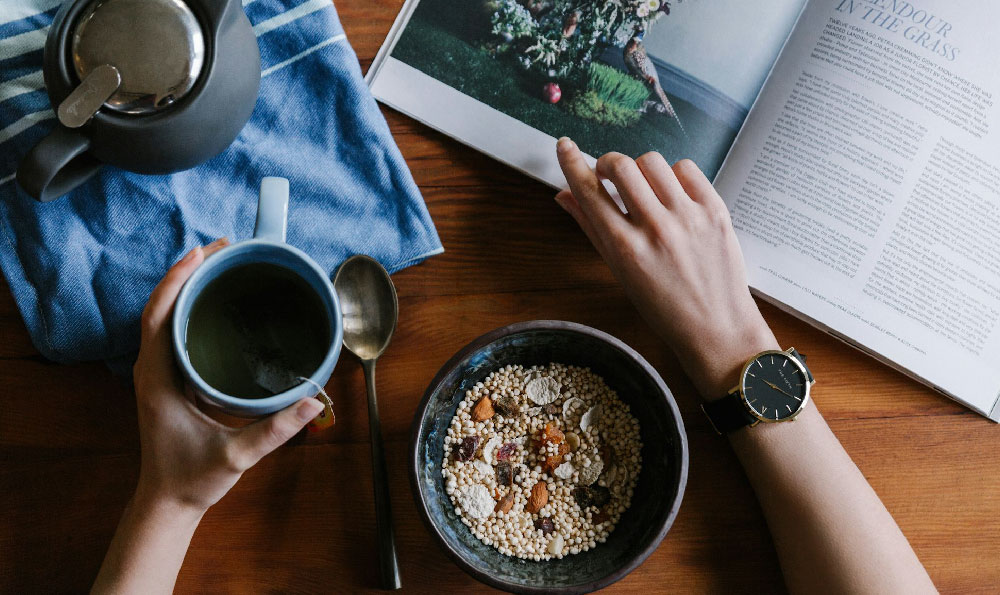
(157,46)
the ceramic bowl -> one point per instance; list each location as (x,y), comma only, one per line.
(658,492)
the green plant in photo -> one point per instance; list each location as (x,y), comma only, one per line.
(609,97)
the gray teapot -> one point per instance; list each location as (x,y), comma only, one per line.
(150,86)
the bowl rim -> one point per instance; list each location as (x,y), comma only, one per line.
(483,341)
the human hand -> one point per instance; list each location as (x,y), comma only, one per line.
(189,459)
(676,254)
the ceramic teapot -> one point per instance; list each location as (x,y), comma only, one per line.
(151,86)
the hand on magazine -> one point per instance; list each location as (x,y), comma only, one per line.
(676,254)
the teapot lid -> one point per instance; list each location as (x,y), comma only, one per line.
(157,46)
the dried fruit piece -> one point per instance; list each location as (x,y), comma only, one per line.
(488,449)
(550,434)
(553,461)
(601,495)
(505,503)
(506,406)
(545,525)
(505,452)
(599,517)
(590,417)
(538,499)
(543,390)
(483,410)
(505,474)
(467,449)
(591,496)
(564,471)
(476,501)
(573,439)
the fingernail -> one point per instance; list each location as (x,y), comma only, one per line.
(219,242)
(564,144)
(190,255)
(308,409)
(559,200)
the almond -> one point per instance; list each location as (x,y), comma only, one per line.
(505,503)
(483,410)
(538,499)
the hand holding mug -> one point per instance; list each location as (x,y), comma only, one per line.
(188,458)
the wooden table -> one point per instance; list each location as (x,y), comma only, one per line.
(302,520)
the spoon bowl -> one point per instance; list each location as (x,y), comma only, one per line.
(369,304)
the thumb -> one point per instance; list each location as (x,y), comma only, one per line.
(261,437)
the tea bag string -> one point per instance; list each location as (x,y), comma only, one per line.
(322,396)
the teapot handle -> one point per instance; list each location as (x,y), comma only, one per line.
(57,164)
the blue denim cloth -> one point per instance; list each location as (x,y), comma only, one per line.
(82,267)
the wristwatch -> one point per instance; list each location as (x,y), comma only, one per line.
(773,387)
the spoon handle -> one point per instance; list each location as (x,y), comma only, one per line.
(388,565)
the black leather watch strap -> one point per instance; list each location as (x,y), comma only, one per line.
(802,359)
(728,413)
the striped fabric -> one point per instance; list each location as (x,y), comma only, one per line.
(82,267)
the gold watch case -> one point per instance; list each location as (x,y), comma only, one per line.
(743,397)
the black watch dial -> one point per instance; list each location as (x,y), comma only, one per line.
(775,386)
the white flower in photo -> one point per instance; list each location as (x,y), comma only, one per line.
(653,5)
(642,11)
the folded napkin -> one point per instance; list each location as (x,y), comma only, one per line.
(81,267)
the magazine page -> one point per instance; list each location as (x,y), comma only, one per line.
(509,77)
(865,184)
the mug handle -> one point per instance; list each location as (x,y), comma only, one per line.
(57,164)
(272,210)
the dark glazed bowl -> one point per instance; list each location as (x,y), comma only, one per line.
(658,492)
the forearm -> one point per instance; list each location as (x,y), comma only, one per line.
(148,547)
(831,531)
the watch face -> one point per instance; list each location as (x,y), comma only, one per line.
(775,386)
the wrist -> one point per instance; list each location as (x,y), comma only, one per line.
(158,505)
(714,363)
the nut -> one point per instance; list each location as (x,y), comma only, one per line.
(538,499)
(483,410)
(505,503)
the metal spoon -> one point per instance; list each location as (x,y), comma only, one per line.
(368,301)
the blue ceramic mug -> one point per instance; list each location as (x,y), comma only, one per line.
(267,246)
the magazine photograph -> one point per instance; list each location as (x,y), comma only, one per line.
(673,76)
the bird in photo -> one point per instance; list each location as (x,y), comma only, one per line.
(640,66)
(569,25)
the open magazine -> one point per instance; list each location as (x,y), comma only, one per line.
(854,141)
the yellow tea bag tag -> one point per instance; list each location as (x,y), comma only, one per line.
(326,418)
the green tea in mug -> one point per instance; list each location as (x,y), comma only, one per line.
(255,330)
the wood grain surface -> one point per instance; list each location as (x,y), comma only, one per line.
(302,520)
